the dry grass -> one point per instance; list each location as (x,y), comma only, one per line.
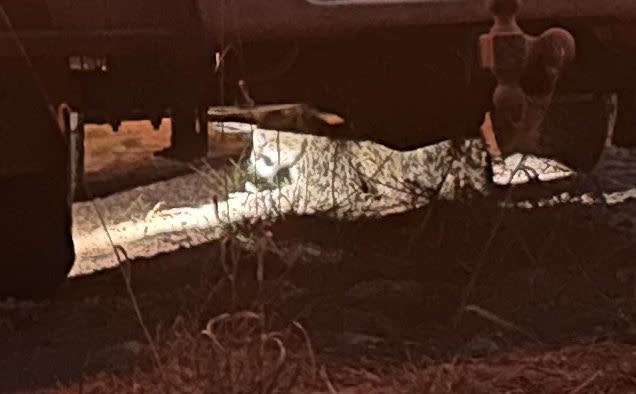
(526,281)
(241,333)
(238,351)
(606,368)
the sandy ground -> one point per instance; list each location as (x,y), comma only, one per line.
(118,161)
(115,161)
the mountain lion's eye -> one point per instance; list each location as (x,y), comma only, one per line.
(267,160)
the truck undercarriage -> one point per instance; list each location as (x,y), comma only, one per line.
(402,73)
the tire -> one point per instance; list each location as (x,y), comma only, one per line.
(576,129)
(625,129)
(36,245)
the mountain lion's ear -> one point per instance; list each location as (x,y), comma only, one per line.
(258,137)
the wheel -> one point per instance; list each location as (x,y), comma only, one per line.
(37,247)
(35,243)
(576,128)
(625,129)
(189,136)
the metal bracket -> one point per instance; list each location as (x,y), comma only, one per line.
(72,127)
(527,69)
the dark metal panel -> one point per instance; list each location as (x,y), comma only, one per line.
(94,42)
(74,14)
(279,19)
(116,14)
(26,14)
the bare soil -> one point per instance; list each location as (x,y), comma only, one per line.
(125,159)
(454,298)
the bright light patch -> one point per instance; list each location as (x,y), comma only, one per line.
(518,169)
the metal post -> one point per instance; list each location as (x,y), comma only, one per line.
(72,126)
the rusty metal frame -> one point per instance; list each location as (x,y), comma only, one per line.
(307,19)
(310,19)
(98,42)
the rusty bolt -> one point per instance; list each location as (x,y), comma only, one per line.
(556,47)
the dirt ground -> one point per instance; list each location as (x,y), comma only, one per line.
(117,161)
(453,298)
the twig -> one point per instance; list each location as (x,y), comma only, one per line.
(40,86)
(525,247)
(206,176)
(151,214)
(295,375)
(261,250)
(326,381)
(434,387)
(586,383)
(210,331)
(310,348)
(434,193)
(117,249)
(501,322)
(480,265)
(280,362)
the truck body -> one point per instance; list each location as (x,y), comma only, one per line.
(404,73)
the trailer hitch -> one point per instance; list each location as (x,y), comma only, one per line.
(527,69)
